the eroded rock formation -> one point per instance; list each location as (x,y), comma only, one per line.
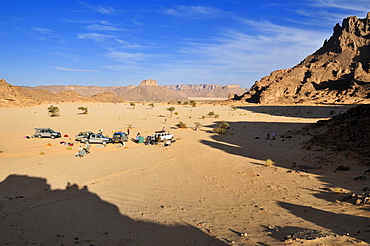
(338,72)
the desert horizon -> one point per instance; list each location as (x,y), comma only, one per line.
(204,189)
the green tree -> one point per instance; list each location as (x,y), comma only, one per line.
(197,125)
(171,109)
(53,111)
(84,109)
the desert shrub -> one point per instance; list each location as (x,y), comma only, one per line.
(132,104)
(83,109)
(53,111)
(343,168)
(193,104)
(223,124)
(337,190)
(186,103)
(130,126)
(197,125)
(41,153)
(151,105)
(181,125)
(269,163)
(176,113)
(233,107)
(211,114)
(221,127)
(179,102)
(217,116)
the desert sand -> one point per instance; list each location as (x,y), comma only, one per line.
(205,189)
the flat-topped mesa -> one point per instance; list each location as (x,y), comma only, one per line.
(148,82)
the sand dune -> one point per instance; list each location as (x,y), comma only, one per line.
(205,189)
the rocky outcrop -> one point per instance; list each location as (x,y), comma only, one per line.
(107,97)
(348,131)
(149,91)
(338,72)
(16,96)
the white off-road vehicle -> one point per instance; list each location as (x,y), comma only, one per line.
(161,136)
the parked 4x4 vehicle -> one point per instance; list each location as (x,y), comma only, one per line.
(83,135)
(46,133)
(161,136)
(96,138)
(119,137)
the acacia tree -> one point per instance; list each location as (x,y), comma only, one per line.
(53,111)
(84,110)
(151,105)
(171,109)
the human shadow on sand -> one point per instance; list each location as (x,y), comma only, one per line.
(33,214)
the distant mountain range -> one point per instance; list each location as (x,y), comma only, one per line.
(148,90)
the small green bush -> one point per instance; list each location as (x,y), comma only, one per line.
(181,125)
(269,163)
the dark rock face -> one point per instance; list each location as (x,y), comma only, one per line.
(350,131)
(338,72)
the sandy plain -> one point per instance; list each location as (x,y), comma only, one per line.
(205,189)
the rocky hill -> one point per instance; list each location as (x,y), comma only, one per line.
(348,131)
(11,96)
(148,90)
(338,72)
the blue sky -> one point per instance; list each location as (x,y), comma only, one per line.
(118,43)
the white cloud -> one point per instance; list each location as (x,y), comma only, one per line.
(42,30)
(100,9)
(104,27)
(126,57)
(353,5)
(244,54)
(190,11)
(94,36)
(75,70)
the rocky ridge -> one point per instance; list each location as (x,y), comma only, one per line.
(182,91)
(11,96)
(338,72)
(207,90)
